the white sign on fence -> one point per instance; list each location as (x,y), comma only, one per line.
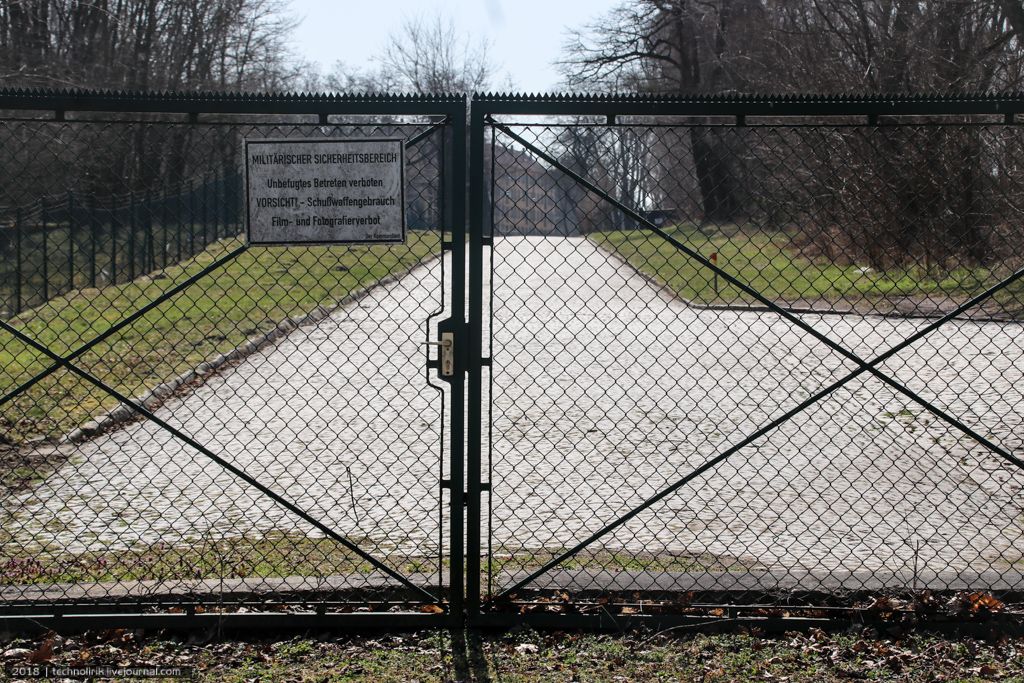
(325,191)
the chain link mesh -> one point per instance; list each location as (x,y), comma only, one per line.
(747,361)
(622,366)
(303,367)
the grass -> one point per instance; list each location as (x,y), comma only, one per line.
(250,295)
(771,263)
(274,555)
(526,656)
(282,554)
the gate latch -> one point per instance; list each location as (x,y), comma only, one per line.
(446,353)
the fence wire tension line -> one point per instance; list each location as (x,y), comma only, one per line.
(631,361)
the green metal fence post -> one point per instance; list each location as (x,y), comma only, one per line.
(94,229)
(191,219)
(131,236)
(18,271)
(113,241)
(459,512)
(474,360)
(71,240)
(223,203)
(233,203)
(46,255)
(216,208)
(180,202)
(205,203)
(164,201)
(149,257)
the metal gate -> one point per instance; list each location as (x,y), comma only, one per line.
(709,355)
(194,425)
(742,353)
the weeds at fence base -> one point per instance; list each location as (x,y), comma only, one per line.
(274,555)
(525,655)
(895,608)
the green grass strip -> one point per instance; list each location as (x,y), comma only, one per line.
(250,295)
(772,263)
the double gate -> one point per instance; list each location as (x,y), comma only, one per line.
(709,355)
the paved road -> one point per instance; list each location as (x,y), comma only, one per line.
(338,417)
(605,390)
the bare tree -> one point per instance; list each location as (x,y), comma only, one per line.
(144,44)
(670,46)
(139,45)
(783,46)
(429,55)
(425,55)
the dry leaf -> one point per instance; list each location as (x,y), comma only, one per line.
(881,604)
(43,654)
(975,603)
(984,601)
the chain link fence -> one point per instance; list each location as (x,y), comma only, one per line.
(754,360)
(55,245)
(748,353)
(192,423)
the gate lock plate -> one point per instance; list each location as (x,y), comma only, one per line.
(446,353)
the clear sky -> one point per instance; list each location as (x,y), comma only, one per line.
(525,36)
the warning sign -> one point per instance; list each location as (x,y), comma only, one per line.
(325,191)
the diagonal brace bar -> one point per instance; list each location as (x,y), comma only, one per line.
(280,500)
(862,365)
(774,307)
(811,400)
(180,287)
(411,142)
(168,294)
(415,139)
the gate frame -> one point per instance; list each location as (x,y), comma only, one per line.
(611,106)
(450,112)
(466,208)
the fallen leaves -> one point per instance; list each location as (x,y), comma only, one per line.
(43,653)
(975,604)
(985,671)
(814,654)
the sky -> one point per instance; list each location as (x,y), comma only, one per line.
(525,36)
